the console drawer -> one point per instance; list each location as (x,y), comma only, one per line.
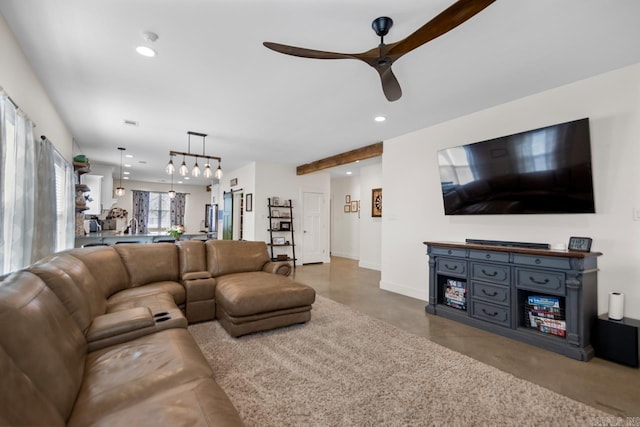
(451,266)
(448,251)
(490,256)
(491,313)
(542,261)
(543,281)
(491,272)
(492,293)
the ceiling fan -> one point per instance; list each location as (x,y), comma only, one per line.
(382,57)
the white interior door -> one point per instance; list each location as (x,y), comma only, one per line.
(313,249)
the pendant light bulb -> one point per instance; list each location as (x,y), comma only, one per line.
(172,194)
(170,169)
(208,173)
(196,169)
(219,172)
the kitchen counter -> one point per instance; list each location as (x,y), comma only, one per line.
(112,237)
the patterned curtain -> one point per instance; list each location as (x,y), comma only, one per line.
(177,209)
(141,210)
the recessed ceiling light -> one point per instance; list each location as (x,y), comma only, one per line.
(126,173)
(146,51)
(179,182)
(186,177)
(129,156)
(349,173)
(126,177)
(380,119)
(127,165)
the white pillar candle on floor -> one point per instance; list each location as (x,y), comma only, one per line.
(616,305)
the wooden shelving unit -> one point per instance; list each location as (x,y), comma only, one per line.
(281,234)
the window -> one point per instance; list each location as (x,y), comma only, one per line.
(159,211)
(65,203)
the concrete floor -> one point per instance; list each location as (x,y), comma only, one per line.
(599,383)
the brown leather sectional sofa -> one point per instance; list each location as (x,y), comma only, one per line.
(97,336)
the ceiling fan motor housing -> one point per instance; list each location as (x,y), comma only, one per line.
(382,25)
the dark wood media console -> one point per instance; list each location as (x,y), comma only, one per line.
(499,289)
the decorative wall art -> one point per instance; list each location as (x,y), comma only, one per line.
(347,208)
(249,202)
(355,206)
(376,202)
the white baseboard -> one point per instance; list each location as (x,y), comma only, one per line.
(421,294)
(344,255)
(370,265)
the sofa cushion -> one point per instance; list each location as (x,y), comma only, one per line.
(235,256)
(21,403)
(120,376)
(194,404)
(175,289)
(246,294)
(150,263)
(156,302)
(42,338)
(106,266)
(72,296)
(192,255)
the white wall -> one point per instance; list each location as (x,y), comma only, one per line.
(370,227)
(194,210)
(345,226)
(413,210)
(18,79)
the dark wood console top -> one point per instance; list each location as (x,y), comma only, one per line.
(515,249)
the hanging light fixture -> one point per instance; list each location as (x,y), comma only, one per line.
(196,172)
(207,168)
(196,169)
(170,169)
(172,193)
(120,189)
(184,170)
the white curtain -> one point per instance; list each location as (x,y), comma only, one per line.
(17,195)
(36,199)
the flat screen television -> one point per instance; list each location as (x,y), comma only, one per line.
(541,171)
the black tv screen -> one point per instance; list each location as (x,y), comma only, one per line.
(541,171)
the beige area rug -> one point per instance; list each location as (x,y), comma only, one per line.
(344,368)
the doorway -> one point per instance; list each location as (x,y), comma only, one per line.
(313,250)
(232,216)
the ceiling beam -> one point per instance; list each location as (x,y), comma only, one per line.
(373,150)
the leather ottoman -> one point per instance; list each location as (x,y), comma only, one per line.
(257,301)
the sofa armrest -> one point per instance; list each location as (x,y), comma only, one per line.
(201,290)
(278,267)
(194,275)
(119,326)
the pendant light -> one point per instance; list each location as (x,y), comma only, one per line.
(196,169)
(170,169)
(172,193)
(120,189)
(207,168)
(184,170)
(219,172)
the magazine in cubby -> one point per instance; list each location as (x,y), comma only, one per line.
(455,294)
(545,313)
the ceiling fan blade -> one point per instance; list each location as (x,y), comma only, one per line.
(454,15)
(307,53)
(390,85)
